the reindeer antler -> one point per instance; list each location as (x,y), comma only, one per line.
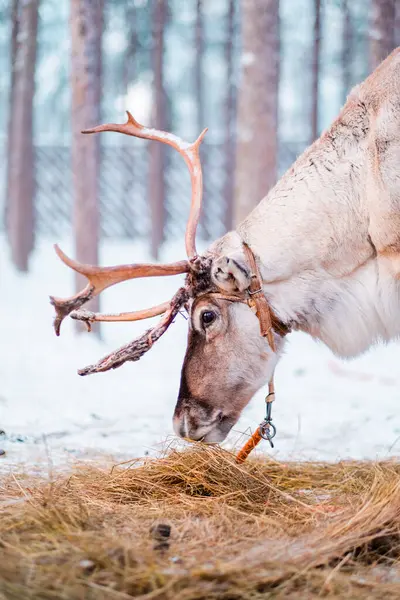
(190,153)
(90,317)
(135,350)
(100,278)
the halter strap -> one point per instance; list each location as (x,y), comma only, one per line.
(257,297)
(254,297)
(267,320)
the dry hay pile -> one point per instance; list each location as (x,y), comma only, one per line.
(260,530)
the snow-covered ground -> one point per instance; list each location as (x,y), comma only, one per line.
(325,409)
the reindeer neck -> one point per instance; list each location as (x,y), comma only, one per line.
(310,235)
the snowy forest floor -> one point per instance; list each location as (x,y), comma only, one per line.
(326,409)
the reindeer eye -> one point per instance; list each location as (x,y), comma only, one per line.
(207,317)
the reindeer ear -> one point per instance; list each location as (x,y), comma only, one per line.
(231,273)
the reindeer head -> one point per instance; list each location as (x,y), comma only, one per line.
(227,359)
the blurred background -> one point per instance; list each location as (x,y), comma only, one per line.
(265,76)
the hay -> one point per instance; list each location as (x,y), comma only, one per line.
(238,532)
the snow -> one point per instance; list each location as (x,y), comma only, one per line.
(139,99)
(247,59)
(325,408)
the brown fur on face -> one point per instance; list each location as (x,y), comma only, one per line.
(226,362)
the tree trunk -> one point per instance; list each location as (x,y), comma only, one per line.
(129,72)
(257,140)
(21,172)
(315,70)
(229,115)
(397,26)
(14,15)
(347,49)
(86,70)
(129,66)
(382,36)
(157,150)
(199,96)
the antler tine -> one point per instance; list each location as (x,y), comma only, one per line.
(135,350)
(90,317)
(190,153)
(100,278)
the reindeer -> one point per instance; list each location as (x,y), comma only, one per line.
(319,254)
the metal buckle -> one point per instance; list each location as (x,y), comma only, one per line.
(259,291)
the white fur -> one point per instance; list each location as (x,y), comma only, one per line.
(327,236)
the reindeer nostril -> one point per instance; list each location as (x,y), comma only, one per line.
(181,425)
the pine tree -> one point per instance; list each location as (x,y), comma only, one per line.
(229,115)
(382,31)
(157,189)
(21,175)
(315,70)
(397,25)
(129,75)
(347,49)
(86,73)
(257,139)
(14,14)
(199,96)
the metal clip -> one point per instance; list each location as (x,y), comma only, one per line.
(267,428)
(268,431)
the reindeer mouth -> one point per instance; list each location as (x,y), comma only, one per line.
(219,432)
(190,429)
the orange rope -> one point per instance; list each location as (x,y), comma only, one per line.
(249,446)
(256,437)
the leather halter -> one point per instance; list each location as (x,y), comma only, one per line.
(257,300)
(268,322)
(254,297)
